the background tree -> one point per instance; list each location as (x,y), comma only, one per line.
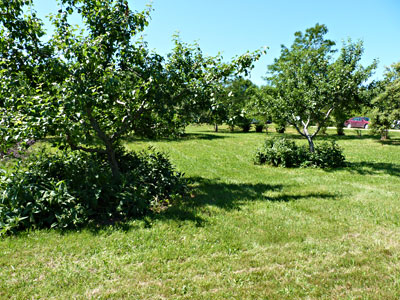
(217,114)
(308,83)
(386,105)
(204,81)
(239,92)
(265,107)
(258,116)
(349,76)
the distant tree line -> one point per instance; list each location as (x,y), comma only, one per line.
(310,86)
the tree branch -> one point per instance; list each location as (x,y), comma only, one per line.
(297,127)
(306,124)
(328,113)
(97,128)
(323,121)
(125,123)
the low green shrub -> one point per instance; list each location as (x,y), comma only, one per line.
(328,155)
(281,152)
(280,127)
(70,189)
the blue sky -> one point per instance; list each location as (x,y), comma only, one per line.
(232,27)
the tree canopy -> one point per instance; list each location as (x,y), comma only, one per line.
(350,76)
(88,87)
(386,106)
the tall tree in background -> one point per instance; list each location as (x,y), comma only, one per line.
(386,105)
(348,79)
(239,93)
(264,106)
(309,81)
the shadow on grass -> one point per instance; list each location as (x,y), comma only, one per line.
(372,168)
(183,138)
(391,142)
(331,137)
(231,195)
(212,192)
(227,195)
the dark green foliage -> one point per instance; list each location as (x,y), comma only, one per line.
(280,127)
(386,105)
(244,124)
(67,190)
(327,155)
(281,152)
(259,127)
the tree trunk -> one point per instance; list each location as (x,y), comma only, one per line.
(310,144)
(340,118)
(216,127)
(340,129)
(308,136)
(110,149)
(384,135)
(110,152)
(112,160)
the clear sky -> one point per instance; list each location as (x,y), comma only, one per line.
(234,26)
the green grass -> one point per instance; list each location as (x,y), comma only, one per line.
(247,232)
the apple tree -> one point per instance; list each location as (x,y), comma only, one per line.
(89,87)
(311,83)
(386,106)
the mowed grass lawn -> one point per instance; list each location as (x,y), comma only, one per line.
(247,232)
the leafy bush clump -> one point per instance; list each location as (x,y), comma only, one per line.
(285,153)
(68,190)
(280,152)
(280,127)
(328,155)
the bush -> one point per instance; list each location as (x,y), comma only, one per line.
(280,152)
(280,127)
(328,155)
(68,190)
(285,153)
